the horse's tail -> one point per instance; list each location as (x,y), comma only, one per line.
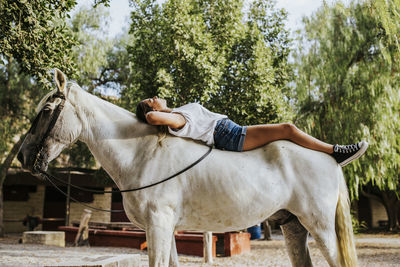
(344,229)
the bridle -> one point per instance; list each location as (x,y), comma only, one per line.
(39,156)
(54,117)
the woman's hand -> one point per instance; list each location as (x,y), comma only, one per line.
(173,120)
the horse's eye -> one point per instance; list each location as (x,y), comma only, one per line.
(47,108)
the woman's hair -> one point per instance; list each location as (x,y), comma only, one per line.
(141,111)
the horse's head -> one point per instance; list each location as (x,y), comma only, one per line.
(55,127)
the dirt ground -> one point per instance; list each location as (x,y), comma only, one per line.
(372,249)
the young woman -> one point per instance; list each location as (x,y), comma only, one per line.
(196,122)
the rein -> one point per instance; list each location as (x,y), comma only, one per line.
(48,176)
(73,199)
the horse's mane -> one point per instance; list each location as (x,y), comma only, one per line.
(85,98)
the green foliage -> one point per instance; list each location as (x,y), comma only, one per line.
(33,40)
(88,26)
(34,34)
(347,86)
(271,23)
(358,226)
(102,63)
(17,96)
(211,52)
(388,13)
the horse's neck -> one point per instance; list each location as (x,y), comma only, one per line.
(113,135)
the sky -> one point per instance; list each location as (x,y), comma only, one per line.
(120,9)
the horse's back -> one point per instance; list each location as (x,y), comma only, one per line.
(280,161)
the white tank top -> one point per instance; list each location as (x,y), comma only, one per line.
(200,123)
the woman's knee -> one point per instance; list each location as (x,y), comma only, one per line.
(288,129)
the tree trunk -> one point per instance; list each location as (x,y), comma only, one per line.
(391,203)
(7,93)
(1,212)
(3,173)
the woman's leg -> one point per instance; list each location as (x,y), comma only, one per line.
(258,135)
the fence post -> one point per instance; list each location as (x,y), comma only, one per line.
(82,237)
(207,246)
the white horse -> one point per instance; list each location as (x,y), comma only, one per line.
(227,191)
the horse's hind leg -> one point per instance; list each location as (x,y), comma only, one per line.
(325,236)
(296,243)
(322,228)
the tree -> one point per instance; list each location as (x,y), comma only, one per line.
(34,34)
(210,52)
(346,88)
(271,23)
(88,26)
(13,118)
(33,39)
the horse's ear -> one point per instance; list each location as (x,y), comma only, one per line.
(60,79)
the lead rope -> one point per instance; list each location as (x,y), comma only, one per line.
(48,176)
(77,201)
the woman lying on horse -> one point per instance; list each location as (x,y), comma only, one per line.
(194,121)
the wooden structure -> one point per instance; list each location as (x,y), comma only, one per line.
(50,238)
(230,243)
(26,195)
(234,243)
(188,243)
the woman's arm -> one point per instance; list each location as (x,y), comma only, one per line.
(173,120)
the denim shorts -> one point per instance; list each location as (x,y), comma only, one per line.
(229,136)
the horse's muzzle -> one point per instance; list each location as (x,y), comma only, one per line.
(33,163)
(40,165)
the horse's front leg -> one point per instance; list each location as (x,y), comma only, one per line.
(173,260)
(159,234)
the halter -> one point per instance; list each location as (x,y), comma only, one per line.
(54,118)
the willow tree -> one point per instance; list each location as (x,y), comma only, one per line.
(211,52)
(347,82)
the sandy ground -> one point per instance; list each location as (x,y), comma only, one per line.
(373,250)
